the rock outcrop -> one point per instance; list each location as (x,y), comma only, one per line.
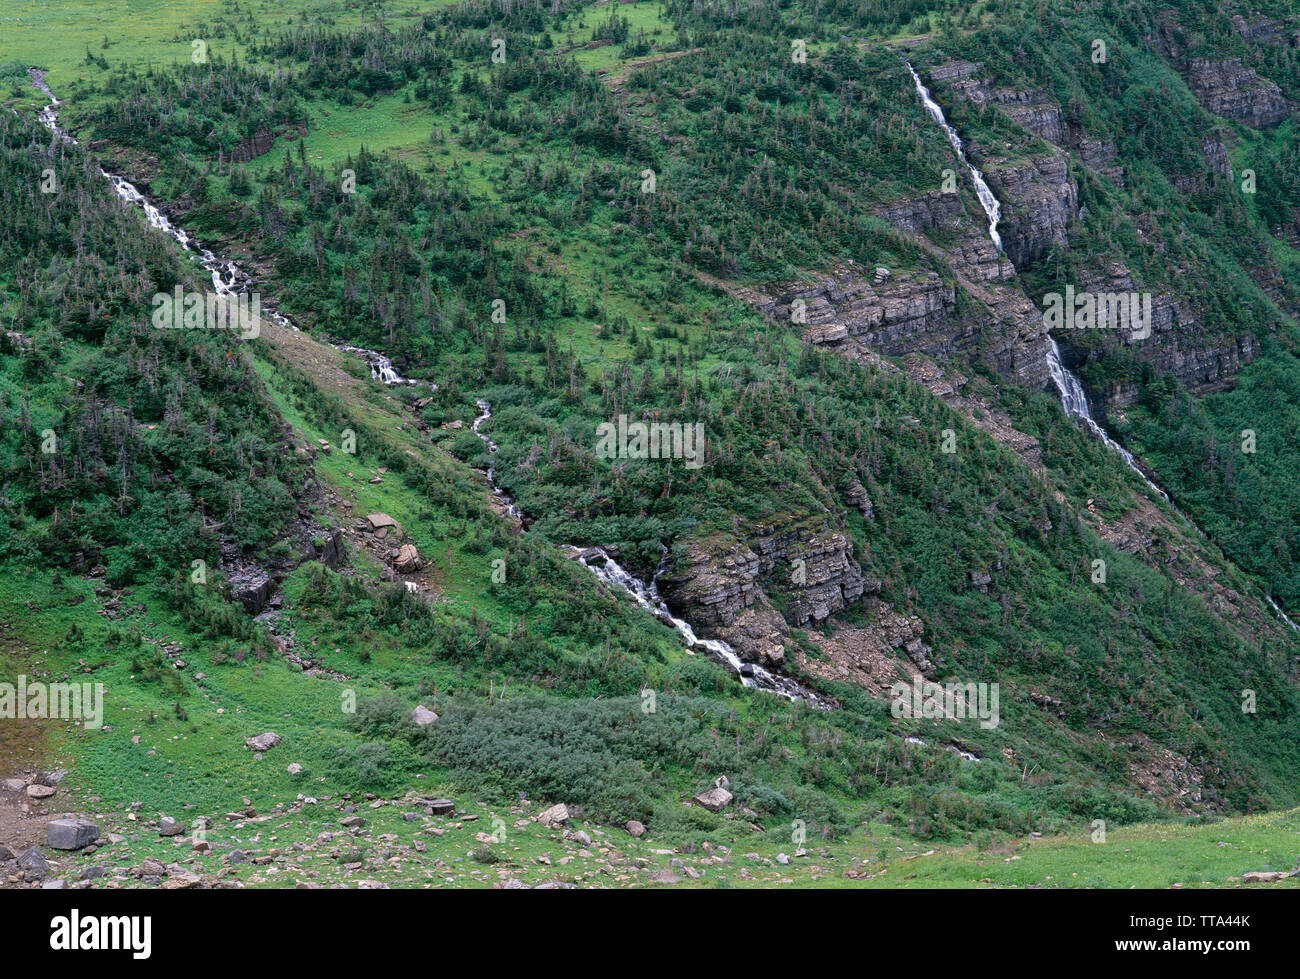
(1178,344)
(1230,89)
(1034,110)
(807,562)
(1040,201)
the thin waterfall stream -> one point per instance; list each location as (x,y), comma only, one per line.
(229,279)
(1073,397)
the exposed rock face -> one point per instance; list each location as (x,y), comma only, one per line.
(1031,109)
(332,551)
(1217,164)
(1040,201)
(1034,110)
(757,634)
(919,214)
(1230,89)
(251,148)
(906,312)
(250,585)
(810,563)
(1216,156)
(1177,345)
(1265,30)
(1096,154)
(822,576)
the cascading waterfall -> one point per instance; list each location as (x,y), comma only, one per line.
(1075,402)
(992,207)
(1073,398)
(228,278)
(506,499)
(611,573)
(647,596)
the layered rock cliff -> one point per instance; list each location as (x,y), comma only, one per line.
(808,562)
(1178,344)
(790,574)
(1040,202)
(1230,89)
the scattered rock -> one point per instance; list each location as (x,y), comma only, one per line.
(170,827)
(422,716)
(40,791)
(382,521)
(1262,876)
(33,864)
(151,867)
(635,828)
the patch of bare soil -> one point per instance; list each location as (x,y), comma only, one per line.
(24,748)
(860,656)
(1166,776)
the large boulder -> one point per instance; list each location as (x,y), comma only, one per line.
(407,559)
(262,742)
(383,526)
(554,817)
(422,716)
(714,800)
(70,834)
(170,827)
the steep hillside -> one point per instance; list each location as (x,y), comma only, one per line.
(742,221)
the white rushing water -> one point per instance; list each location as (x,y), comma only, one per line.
(647,596)
(611,573)
(1073,398)
(228,278)
(1075,402)
(506,499)
(991,205)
